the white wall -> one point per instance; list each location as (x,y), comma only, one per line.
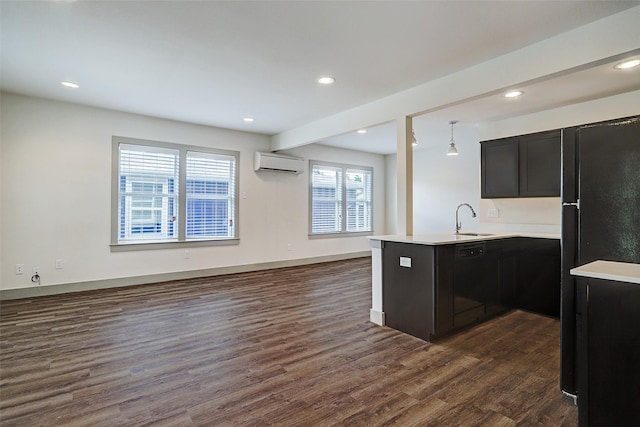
(441,183)
(56,194)
(537,214)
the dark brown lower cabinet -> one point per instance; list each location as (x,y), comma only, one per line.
(537,287)
(431,291)
(608,323)
(407,290)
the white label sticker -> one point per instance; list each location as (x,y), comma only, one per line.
(405,262)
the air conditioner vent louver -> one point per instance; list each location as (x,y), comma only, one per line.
(278,163)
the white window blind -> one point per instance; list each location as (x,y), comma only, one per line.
(341,199)
(326,196)
(359,198)
(210,195)
(148,193)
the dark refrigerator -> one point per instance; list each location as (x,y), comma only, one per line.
(600,215)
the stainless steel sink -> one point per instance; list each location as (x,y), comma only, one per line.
(475,234)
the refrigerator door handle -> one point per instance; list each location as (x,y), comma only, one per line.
(576,204)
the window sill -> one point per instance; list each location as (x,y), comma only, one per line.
(146,246)
(337,235)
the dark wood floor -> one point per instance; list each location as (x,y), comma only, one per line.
(283,347)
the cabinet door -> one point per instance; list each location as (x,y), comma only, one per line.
(407,288)
(509,271)
(608,353)
(493,284)
(499,163)
(540,165)
(538,287)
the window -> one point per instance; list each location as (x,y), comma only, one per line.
(341,199)
(169,193)
(210,195)
(147,196)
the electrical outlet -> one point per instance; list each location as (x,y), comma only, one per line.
(493,213)
(58,264)
(19,268)
(187,254)
(289,247)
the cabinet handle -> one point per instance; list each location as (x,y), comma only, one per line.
(576,204)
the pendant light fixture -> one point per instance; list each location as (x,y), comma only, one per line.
(453,151)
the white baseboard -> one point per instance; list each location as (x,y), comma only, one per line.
(376,317)
(9,294)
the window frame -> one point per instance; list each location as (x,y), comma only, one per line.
(343,168)
(181,241)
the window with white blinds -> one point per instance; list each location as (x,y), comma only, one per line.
(341,199)
(169,193)
(148,191)
(210,195)
(359,193)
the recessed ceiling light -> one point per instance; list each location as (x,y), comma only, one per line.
(326,80)
(361,131)
(627,64)
(70,84)
(248,119)
(513,94)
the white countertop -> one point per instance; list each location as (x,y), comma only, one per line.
(449,238)
(609,270)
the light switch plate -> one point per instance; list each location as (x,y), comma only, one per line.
(493,213)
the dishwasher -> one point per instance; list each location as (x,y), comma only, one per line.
(476,281)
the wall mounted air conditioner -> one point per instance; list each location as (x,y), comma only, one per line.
(278,162)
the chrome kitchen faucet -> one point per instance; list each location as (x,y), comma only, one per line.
(458,224)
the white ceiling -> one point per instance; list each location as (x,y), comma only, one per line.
(215,62)
(433,129)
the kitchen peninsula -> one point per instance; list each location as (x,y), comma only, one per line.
(434,284)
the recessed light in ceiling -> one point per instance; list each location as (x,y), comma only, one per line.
(361,131)
(248,119)
(326,80)
(70,85)
(513,94)
(627,64)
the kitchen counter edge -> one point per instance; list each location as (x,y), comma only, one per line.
(434,239)
(609,270)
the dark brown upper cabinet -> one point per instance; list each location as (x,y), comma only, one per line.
(521,166)
(540,160)
(500,168)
